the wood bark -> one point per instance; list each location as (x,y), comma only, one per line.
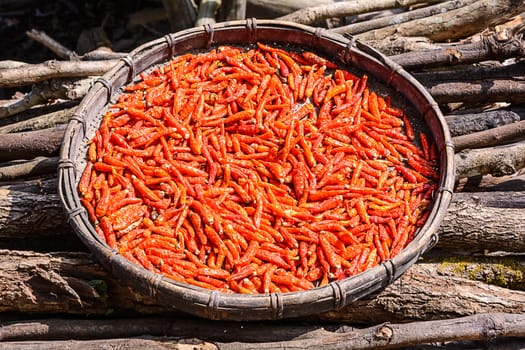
(475,92)
(47,120)
(276,8)
(482,221)
(30,144)
(60,88)
(72,283)
(26,169)
(396,45)
(487,70)
(236,336)
(396,19)
(498,160)
(312,15)
(492,137)
(121,344)
(10,64)
(455,24)
(35,73)
(23,212)
(162,343)
(466,123)
(497,46)
(515,182)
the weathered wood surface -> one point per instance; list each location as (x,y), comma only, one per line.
(72,283)
(497,160)
(162,332)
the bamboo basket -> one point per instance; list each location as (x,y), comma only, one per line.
(210,304)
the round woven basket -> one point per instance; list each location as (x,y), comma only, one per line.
(212,304)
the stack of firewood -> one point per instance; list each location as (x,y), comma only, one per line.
(467,292)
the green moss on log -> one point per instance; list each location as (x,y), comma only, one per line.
(508,272)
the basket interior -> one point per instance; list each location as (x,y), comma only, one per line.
(385,77)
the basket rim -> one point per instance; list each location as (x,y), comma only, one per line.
(217,305)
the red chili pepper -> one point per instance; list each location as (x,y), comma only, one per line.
(224,154)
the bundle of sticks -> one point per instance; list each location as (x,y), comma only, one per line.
(467,292)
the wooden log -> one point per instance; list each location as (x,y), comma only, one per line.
(47,90)
(26,169)
(492,183)
(227,335)
(80,286)
(492,137)
(313,15)
(484,221)
(466,123)
(496,46)
(455,24)
(37,111)
(276,8)
(35,73)
(469,92)
(396,19)
(388,336)
(396,45)
(30,144)
(498,160)
(489,70)
(121,344)
(22,212)
(11,64)
(163,343)
(47,120)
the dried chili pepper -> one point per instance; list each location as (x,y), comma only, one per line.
(257,171)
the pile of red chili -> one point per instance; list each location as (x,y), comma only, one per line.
(256,171)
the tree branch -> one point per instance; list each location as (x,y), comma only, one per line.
(35,73)
(492,137)
(455,24)
(497,46)
(365,26)
(468,92)
(47,120)
(477,327)
(312,15)
(57,48)
(47,90)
